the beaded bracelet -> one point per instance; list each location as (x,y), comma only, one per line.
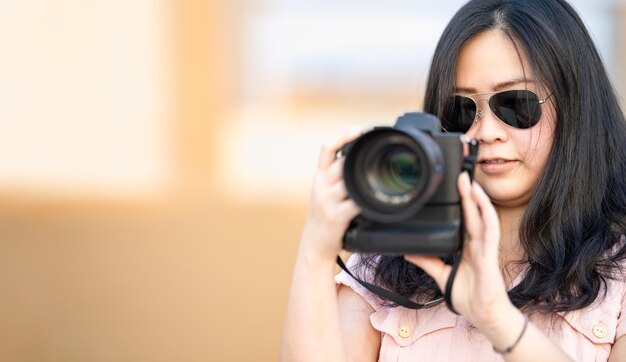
(510,348)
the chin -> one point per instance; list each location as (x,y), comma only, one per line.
(505,194)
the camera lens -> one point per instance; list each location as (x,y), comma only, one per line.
(391,174)
(395,171)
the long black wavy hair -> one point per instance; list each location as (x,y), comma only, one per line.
(573,223)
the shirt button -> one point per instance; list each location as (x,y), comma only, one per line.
(404,331)
(599,330)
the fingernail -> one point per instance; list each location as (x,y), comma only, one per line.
(466,177)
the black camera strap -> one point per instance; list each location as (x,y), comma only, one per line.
(387,294)
(468,165)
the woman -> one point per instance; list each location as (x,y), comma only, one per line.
(542,271)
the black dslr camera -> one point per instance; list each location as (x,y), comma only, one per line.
(404,179)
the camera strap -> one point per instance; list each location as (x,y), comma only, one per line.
(387,294)
(468,166)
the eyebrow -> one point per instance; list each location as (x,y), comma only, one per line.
(497,87)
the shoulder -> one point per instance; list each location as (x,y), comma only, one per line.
(363,271)
(605,320)
(356,306)
(616,293)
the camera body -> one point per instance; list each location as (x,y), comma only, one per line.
(404,179)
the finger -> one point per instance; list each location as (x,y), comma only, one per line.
(433,266)
(464,184)
(471,213)
(338,191)
(335,171)
(333,145)
(489,218)
(349,209)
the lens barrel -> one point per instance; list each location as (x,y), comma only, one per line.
(392,173)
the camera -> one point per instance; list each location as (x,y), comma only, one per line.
(404,179)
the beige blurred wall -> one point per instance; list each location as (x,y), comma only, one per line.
(183,275)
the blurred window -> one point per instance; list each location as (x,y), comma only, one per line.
(84,88)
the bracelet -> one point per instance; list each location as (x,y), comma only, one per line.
(510,348)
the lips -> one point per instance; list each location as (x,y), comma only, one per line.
(493,160)
(496,165)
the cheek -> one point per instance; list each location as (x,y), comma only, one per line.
(537,144)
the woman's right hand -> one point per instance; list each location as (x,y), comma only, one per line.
(330,209)
(313,329)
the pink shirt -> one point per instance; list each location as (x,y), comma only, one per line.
(436,334)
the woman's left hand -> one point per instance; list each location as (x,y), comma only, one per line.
(479,291)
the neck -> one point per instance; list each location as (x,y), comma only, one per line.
(510,247)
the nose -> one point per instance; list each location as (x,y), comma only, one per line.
(487,128)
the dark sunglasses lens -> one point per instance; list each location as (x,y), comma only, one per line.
(459,114)
(517,108)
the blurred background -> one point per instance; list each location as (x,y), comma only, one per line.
(156,158)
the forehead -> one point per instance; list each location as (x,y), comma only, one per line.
(488,60)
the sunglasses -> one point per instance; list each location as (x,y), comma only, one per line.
(519,109)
